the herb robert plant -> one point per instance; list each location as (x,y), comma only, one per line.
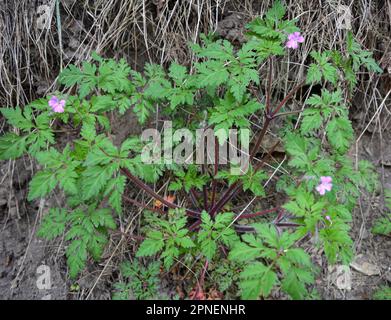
(226,87)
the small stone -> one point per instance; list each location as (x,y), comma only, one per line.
(362,264)
(341,276)
(344,278)
(3,195)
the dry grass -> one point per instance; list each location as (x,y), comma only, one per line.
(32,51)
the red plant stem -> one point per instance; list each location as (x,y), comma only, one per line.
(287,224)
(287,113)
(140,205)
(147,189)
(194,199)
(152,193)
(234,188)
(224,199)
(288,96)
(202,278)
(268,114)
(224,251)
(216,168)
(228,195)
(243,229)
(195,225)
(258,214)
(200,283)
(263,161)
(204,190)
(261,136)
(269,83)
(280,216)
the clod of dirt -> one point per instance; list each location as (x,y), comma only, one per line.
(269,141)
(4,191)
(386,159)
(362,264)
(341,276)
(232,27)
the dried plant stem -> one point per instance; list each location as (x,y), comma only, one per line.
(258,214)
(59,31)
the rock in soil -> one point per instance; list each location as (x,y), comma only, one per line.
(362,264)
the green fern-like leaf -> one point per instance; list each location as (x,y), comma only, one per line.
(257,279)
(53,224)
(340,133)
(167,236)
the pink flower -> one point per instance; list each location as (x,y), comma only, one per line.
(293,40)
(328,218)
(56,104)
(325,185)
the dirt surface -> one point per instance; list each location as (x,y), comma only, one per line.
(21,253)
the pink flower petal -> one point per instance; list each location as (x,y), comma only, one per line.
(321,189)
(292,44)
(56,104)
(289,44)
(326,179)
(58,109)
(53,101)
(294,39)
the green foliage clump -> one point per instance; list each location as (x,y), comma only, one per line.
(383,293)
(142,282)
(382,225)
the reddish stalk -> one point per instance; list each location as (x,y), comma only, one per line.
(261,136)
(269,83)
(140,205)
(243,229)
(194,199)
(215,171)
(258,214)
(269,116)
(234,188)
(287,224)
(204,190)
(224,199)
(195,225)
(288,96)
(152,193)
(281,114)
(199,292)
